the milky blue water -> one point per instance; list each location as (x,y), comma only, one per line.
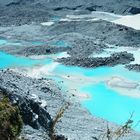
(100,71)
(11,61)
(108,104)
(3,41)
(105,102)
(7,60)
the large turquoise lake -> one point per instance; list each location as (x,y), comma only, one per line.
(115,104)
(111,93)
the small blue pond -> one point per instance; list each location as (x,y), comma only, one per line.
(10,61)
(7,60)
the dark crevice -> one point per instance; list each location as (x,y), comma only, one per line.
(67,8)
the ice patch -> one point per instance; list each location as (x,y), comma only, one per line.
(132,21)
(37,57)
(94,16)
(121,83)
(43,103)
(34,96)
(137,57)
(47,23)
(40,71)
(77,19)
(63,55)
(65,19)
(104,14)
(36,116)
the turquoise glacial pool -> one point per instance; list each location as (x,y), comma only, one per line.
(99,72)
(7,61)
(11,61)
(110,105)
(104,102)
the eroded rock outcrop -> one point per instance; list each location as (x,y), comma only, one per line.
(114,59)
(134,67)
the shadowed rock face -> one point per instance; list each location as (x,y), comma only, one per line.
(134,10)
(30,106)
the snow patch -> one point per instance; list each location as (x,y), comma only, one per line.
(47,23)
(43,103)
(132,21)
